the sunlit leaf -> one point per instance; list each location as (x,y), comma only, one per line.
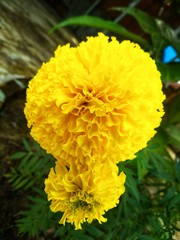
(96,22)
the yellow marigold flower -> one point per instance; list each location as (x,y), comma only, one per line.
(84,195)
(101,98)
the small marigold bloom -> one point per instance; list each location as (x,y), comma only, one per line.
(84,195)
(101,98)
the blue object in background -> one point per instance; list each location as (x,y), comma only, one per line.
(169,55)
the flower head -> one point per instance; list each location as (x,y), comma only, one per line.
(101,98)
(84,194)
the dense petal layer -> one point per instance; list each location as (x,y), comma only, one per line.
(101,98)
(84,194)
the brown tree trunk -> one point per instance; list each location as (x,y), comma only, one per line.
(24,39)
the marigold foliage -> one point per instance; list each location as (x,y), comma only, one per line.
(84,193)
(101,98)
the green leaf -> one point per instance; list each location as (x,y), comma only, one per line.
(18,155)
(173,132)
(161,34)
(32,162)
(156,160)
(96,22)
(37,200)
(172,111)
(17,182)
(21,183)
(177,168)
(30,183)
(40,192)
(143,163)
(159,138)
(60,231)
(94,231)
(146,22)
(79,235)
(145,237)
(24,161)
(155,224)
(131,184)
(27,145)
(169,72)
(2,96)
(169,195)
(174,201)
(168,33)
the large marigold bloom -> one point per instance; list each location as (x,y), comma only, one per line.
(84,194)
(101,98)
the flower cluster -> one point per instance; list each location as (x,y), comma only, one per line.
(91,107)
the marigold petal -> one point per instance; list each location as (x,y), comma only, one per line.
(96,102)
(84,194)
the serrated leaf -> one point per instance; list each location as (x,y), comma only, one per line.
(96,22)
